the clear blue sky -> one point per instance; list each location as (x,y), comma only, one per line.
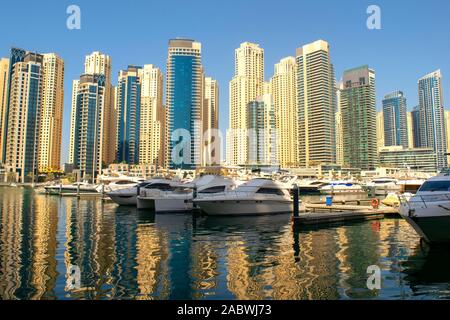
(414,39)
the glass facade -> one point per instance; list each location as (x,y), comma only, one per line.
(87,133)
(432,123)
(128,118)
(395,124)
(184,91)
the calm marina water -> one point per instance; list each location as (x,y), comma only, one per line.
(126,254)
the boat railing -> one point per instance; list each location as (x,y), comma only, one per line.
(423,199)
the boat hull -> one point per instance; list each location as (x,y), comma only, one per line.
(431,223)
(244,207)
(124,200)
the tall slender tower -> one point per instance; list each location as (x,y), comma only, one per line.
(262,144)
(284,92)
(415,115)
(432,124)
(395,122)
(153,118)
(50,136)
(316,114)
(339,133)
(211,152)
(99,63)
(359,118)
(380,130)
(24,114)
(128,111)
(73,114)
(184,101)
(246,85)
(4,87)
(88,130)
(410,123)
(447,129)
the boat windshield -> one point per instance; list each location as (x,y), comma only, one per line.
(271,191)
(216,189)
(435,186)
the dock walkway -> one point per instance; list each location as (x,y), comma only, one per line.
(322,214)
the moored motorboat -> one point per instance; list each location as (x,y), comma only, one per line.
(256,197)
(428,212)
(178,196)
(382,186)
(77,187)
(342,187)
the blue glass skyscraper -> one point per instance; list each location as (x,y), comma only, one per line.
(432,123)
(184,104)
(128,106)
(395,123)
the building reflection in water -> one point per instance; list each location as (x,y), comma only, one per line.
(123,253)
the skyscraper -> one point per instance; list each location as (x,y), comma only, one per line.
(153,118)
(128,112)
(262,139)
(395,122)
(415,119)
(359,118)
(99,63)
(4,87)
(316,114)
(447,129)
(432,124)
(338,118)
(380,130)
(184,101)
(410,123)
(50,135)
(246,85)
(24,114)
(211,153)
(284,92)
(87,126)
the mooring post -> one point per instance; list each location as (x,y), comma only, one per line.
(295,190)
(78,190)
(60,188)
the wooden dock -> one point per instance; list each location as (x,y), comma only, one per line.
(321,214)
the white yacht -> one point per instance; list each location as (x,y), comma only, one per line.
(178,196)
(382,186)
(128,196)
(255,197)
(428,212)
(120,184)
(341,187)
(83,187)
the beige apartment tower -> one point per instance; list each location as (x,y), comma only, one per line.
(339,133)
(50,136)
(246,85)
(99,63)
(447,129)
(315,96)
(284,93)
(4,71)
(152,126)
(211,142)
(380,130)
